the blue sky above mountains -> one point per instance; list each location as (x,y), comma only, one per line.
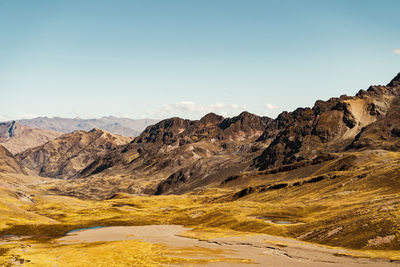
(187,58)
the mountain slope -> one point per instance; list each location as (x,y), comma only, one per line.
(66,155)
(333,126)
(8,163)
(17,137)
(121,126)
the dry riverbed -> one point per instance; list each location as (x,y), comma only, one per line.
(265,250)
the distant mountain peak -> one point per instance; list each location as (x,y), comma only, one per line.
(112,124)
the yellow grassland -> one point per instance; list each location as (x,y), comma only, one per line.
(348,209)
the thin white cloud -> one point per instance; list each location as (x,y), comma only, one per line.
(76,112)
(396,51)
(17,117)
(270,106)
(28,116)
(237,107)
(193,110)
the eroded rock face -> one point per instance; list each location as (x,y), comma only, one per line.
(64,156)
(382,134)
(334,125)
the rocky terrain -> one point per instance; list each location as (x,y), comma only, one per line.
(66,155)
(17,137)
(112,124)
(333,126)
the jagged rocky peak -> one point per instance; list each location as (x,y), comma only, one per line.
(244,117)
(306,133)
(211,118)
(245,125)
(395,82)
(168,131)
(171,124)
(163,131)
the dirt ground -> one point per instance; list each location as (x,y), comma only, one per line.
(264,250)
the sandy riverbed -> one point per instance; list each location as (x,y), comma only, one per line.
(263,250)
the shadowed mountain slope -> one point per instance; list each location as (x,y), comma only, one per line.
(367,119)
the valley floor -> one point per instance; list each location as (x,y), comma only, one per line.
(326,215)
(226,251)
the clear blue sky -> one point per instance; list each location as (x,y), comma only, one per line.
(186,58)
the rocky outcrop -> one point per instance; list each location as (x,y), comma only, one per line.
(167,132)
(382,134)
(334,125)
(395,82)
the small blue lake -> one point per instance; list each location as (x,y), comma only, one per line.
(83,229)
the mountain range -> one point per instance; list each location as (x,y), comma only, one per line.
(178,155)
(116,125)
(327,174)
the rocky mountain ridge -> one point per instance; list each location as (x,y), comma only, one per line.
(330,126)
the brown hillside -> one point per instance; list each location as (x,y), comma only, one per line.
(66,155)
(17,137)
(8,164)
